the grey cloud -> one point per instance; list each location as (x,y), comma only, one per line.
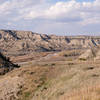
(61,17)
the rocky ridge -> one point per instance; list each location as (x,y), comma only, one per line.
(22,42)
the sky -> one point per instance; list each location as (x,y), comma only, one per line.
(60,17)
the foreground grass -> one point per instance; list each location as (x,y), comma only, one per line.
(60,80)
(86,93)
(71,81)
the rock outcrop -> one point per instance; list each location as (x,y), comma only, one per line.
(14,42)
(6,65)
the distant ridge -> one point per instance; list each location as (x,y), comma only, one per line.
(22,42)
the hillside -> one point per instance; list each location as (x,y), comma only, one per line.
(24,42)
(6,65)
(51,67)
(52,80)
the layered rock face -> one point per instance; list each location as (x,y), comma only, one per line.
(21,42)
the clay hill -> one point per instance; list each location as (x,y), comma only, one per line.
(14,42)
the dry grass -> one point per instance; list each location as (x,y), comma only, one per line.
(86,93)
(30,57)
(67,80)
(60,80)
(70,53)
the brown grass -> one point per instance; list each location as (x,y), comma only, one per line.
(60,80)
(85,93)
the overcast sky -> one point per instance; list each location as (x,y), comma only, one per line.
(60,17)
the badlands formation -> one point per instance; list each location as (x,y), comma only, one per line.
(48,67)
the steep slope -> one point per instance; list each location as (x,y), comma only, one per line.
(86,55)
(14,42)
(6,65)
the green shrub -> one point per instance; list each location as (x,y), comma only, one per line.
(83,59)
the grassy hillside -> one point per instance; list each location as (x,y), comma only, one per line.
(53,76)
(64,80)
